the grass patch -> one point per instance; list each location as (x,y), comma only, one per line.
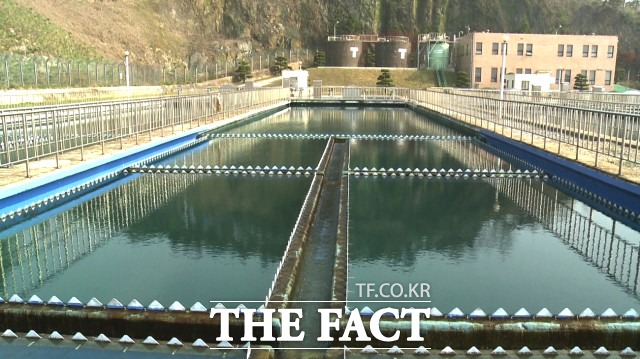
(26,32)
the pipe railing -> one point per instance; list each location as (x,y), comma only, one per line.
(590,132)
(49,131)
(595,137)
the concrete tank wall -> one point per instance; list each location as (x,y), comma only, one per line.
(393,54)
(344,53)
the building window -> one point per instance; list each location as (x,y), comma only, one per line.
(585,50)
(558,76)
(525,85)
(607,78)
(478,77)
(520,49)
(567,76)
(494,48)
(527,71)
(494,74)
(569,50)
(529,49)
(594,50)
(583,73)
(518,71)
(610,50)
(560,50)
(478,48)
(592,77)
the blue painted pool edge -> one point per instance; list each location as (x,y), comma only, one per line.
(22,195)
(597,183)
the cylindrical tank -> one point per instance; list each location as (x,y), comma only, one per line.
(438,55)
(393,54)
(344,53)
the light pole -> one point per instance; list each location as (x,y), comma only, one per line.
(505,39)
(558,28)
(334,28)
(126,66)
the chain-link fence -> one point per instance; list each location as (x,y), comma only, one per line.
(20,72)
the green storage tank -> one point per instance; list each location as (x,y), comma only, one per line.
(439,56)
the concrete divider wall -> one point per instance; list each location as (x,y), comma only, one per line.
(339,286)
(286,279)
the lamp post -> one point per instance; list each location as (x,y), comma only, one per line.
(334,28)
(126,66)
(503,71)
(505,39)
(558,28)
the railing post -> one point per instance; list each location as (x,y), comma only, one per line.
(598,139)
(624,135)
(26,141)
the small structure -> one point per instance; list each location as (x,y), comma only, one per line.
(296,79)
(540,82)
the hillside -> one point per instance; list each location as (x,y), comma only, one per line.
(196,31)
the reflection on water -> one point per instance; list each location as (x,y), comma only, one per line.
(438,154)
(252,152)
(165,237)
(488,243)
(390,121)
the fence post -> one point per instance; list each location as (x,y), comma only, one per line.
(21,75)
(35,72)
(46,65)
(69,72)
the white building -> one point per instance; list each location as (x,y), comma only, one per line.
(296,79)
(541,81)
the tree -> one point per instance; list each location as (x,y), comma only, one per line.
(370,58)
(281,64)
(243,72)
(581,83)
(319,58)
(384,80)
(462,80)
(628,61)
(524,27)
(615,3)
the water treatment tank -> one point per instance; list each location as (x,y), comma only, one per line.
(393,53)
(439,55)
(344,53)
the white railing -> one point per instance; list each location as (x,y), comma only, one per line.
(31,134)
(600,138)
